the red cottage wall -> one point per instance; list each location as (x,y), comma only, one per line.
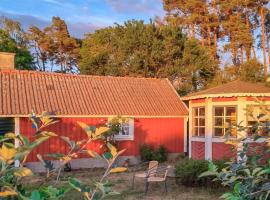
(222,151)
(155,131)
(198,150)
(224,99)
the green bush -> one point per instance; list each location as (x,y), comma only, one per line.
(148,153)
(188,171)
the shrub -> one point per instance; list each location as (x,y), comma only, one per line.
(188,171)
(148,153)
(161,154)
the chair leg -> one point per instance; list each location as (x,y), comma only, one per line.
(146,187)
(165,186)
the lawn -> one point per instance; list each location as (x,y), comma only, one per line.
(121,182)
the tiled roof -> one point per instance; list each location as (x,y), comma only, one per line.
(234,88)
(78,95)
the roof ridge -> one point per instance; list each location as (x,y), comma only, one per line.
(236,86)
(75,75)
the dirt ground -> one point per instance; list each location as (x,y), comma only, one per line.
(121,182)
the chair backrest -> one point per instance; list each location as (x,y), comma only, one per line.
(152,168)
(164,172)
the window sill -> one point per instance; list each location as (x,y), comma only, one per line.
(198,139)
(124,138)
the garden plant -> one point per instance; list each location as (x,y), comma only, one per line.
(15,148)
(248,174)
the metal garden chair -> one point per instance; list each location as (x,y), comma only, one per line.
(151,171)
(160,175)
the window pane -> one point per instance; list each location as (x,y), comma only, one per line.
(230,121)
(219,111)
(230,111)
(219,121)
(196,112)
(125,129)
(219,132)
(202,112)
(201,131)
(196,122)
(196,129)
(201,122)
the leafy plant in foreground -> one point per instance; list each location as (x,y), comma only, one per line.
(247,175)
(11,184)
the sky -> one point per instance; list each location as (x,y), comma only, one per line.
(82,16)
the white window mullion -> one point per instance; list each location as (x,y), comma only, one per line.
(131,128)
(208,129)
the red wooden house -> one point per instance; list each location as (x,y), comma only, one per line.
(155,113)
(214,110)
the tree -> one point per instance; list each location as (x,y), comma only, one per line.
(198,67)
(12,39)
(222,25)
(148,50)
(251,71)
(42,46)
(65,47)
(54,47)
(132,49)
(267,35)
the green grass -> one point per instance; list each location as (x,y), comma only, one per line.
(121,183)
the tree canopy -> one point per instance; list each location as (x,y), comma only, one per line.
(13,39)
(53,47)
(147,50)
(223,26)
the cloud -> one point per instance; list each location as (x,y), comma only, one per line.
(76,29)
(152,7)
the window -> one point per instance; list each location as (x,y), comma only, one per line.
(258,120)
(6,125)
(126,129)
(225,121)
(199,121)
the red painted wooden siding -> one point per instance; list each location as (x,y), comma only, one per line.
(221,151)
(258,98)
(198,150)
(198,100)
(224,99)
(155,131)
(65,127)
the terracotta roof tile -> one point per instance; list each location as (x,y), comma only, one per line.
(234,88)
(77,95)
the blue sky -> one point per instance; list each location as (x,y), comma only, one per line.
(82,16)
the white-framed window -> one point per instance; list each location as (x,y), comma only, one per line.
(198,121)
(258,120)
(126,129)
(225,120)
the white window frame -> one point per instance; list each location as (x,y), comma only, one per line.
(198,118)
(130,136)
(223,119)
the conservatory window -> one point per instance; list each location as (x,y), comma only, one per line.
(258,120)
(199,121)
(225,121)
